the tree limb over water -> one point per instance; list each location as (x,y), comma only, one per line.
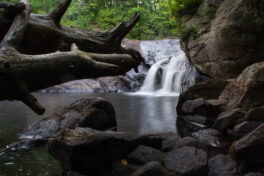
(36,52)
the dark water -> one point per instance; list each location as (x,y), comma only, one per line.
(137,114)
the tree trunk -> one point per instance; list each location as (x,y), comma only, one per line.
(36,52)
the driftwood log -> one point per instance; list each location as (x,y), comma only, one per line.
(36,52)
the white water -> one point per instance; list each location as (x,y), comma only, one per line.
(171,73)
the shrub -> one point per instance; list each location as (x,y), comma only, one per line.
(180,8)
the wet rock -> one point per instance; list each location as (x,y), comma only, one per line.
(246,127)
(114,84)
(89,151)
(93,112)
(227,119)
(222,165)
(209,137)
(190,123)
(189,142)
(186,161)
(210,89)
(151,169)
(254,114)
(144,154)
(250,148)
(202,107)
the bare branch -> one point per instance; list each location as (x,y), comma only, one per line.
(15,33)
(59,11)
(31,101)
(119,32)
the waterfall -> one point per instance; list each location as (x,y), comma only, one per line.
(171,73)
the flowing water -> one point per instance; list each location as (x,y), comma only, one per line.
(171,72)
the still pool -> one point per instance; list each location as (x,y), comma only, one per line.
(134,113)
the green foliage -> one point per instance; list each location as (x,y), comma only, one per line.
(187,33)
(155,22)
(180,8)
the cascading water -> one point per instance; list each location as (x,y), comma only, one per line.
(171,73)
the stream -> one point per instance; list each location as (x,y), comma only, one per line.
(151,109)
(135,113)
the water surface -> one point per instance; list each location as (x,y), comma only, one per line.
(135,113)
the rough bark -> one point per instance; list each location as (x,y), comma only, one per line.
(36,52)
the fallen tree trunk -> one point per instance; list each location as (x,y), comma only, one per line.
(36,52)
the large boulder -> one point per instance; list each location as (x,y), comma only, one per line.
(89,151)
(250,148)
(186,161)
(246,91)
(92,112)
(210,89)
(233,40)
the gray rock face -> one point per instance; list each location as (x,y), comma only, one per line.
(246,91)
(151,169)
(233,41)
(186,161)
(222,165)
